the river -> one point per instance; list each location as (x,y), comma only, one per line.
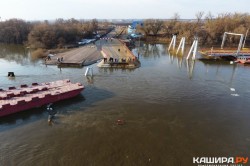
(173,110)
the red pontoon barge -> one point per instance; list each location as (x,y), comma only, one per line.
(26,97)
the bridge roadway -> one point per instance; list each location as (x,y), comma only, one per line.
(117,54)
(91,53)
(76,57)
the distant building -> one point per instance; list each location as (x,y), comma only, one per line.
(132,27)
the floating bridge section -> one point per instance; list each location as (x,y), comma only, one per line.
(117,54)
(77,57)
(113,53)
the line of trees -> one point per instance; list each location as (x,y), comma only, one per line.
(47,35)
(44,34)
(14,31)
(207,27)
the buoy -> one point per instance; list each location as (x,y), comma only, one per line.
(120,122)
(11,74)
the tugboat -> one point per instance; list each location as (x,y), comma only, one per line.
(26,97)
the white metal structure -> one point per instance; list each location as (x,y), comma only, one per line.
(181,45)
(88,71)
(193,48)
(236,34)
(172,43)
(245,38)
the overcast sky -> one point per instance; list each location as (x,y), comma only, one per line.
(116,9)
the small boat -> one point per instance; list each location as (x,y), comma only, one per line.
(243,59)
(36,95)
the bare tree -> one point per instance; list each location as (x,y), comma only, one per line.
(199,16)
(176,16)
(94,25)
(14,31)
(209,17)
(146,28)
(151,25)
(157,25)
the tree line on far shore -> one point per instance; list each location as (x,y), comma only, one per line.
(61,32)
(46,35)
(14,31)
(208,28)
(49,35)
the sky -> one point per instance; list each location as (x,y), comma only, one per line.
(116,9)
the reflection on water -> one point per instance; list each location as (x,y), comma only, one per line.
(179,61)
(149,50)
(190,67)
(16,53)
(173,110)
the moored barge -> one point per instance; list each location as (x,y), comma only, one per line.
(26,97)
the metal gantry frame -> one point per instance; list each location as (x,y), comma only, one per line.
(236,34)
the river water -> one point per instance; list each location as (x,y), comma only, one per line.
(173,110)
